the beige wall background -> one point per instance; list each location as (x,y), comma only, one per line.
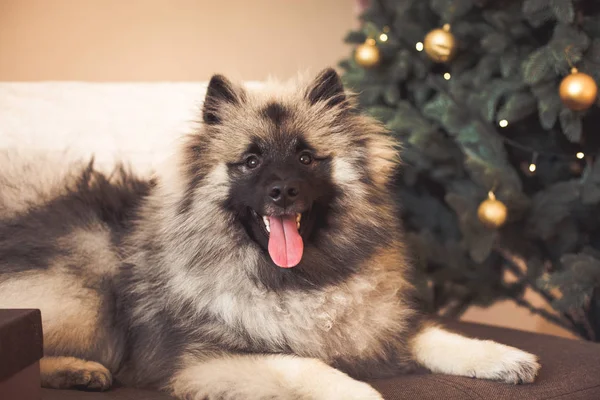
(173,40)
(189,40)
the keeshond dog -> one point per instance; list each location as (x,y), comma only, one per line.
(267,263)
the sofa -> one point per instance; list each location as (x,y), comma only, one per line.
(570,369)
(139,123)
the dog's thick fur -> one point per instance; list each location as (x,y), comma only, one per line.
(165,284)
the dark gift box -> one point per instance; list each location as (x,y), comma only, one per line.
(21,348)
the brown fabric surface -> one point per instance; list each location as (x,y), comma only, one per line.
(570,370)
(24,385)
(20,340)
(113,394)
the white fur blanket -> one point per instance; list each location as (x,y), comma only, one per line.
(138,123)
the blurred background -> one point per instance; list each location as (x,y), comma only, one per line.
(181,40)
(189,40)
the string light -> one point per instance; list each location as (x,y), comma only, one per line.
(503,123)
(384,37)
(532,166)
(580,155)
(513,143)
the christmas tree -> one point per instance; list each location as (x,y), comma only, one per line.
(495,106)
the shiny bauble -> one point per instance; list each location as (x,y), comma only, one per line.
(367,55)
(492,213)
(440,45)
(578,91)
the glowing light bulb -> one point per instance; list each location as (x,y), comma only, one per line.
(580,155)
(532,167)
(503,123)
(447,76)
(419,46)
(383,37)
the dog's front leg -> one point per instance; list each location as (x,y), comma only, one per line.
(254,377)
(445,352)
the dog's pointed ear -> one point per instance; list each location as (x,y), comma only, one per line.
(220,91)
(327,87)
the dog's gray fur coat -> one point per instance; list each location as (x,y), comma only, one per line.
(160,284)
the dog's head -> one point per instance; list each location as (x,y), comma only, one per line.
(306,175)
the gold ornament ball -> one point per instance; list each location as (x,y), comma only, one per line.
(578,91)
(440,44)
(492,213)
(367,55)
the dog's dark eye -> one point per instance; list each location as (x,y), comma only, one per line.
(252,162)
(306,159)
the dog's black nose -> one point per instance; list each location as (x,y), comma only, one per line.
(284,193)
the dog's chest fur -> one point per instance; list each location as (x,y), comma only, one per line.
(350,320)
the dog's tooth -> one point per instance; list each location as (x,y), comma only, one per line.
(298,217)
(267,224)
(298,225)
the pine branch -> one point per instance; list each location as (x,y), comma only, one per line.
(546,315)
(524,278)
(512,264)
(388,13)
(593,313)
(591,335)
(457,309)
(573,324)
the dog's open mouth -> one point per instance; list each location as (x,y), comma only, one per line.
(267,223)
(285,239)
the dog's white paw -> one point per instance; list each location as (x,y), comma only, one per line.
(327,383)
(356,391)
(449,353)
(262,377)
(506,364)
(347,389)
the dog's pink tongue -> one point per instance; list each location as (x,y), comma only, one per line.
(285,242)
